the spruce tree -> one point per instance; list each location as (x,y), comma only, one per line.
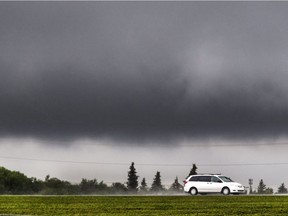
(261,187)
(282,189)
(193,170)
(132,184)
(176,187)
(143,187)
(157,185)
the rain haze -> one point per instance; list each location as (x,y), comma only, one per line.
(88,87)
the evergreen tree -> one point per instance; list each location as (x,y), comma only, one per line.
(282,189)
(156,185)
(193,170)
(261,187)
(132,184)
(176,187)
(143,187)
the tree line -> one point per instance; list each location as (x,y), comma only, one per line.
(14,182)
(263,189)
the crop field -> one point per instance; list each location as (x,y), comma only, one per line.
(144,205)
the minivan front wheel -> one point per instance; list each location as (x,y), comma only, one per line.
(193,191)
(225,191)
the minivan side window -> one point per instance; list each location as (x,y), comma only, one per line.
(204,178)
(194,178)
(215,179)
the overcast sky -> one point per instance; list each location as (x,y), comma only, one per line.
(150,82)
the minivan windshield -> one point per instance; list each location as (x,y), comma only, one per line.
(225,179)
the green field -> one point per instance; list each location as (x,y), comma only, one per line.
(144,205)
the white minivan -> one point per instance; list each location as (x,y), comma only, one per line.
(212,183)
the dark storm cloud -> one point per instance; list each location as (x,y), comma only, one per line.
(143,70)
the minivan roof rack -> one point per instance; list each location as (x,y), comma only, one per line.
(208,174)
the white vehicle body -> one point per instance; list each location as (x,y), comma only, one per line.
(212,183)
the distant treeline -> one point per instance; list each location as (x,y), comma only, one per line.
(14,182)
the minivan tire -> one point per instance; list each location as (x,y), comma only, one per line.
(193,191)
(225,191)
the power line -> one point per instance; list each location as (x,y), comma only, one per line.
(236,145)
(61,161)
(247,164)
(143,164)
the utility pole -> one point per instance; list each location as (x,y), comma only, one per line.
(250,183)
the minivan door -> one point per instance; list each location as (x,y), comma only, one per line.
(216,184)
(204,184)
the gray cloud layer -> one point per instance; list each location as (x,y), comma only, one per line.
(143,70)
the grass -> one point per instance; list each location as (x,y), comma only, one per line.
(144,205)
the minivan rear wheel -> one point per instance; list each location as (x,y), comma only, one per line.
(193,191)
